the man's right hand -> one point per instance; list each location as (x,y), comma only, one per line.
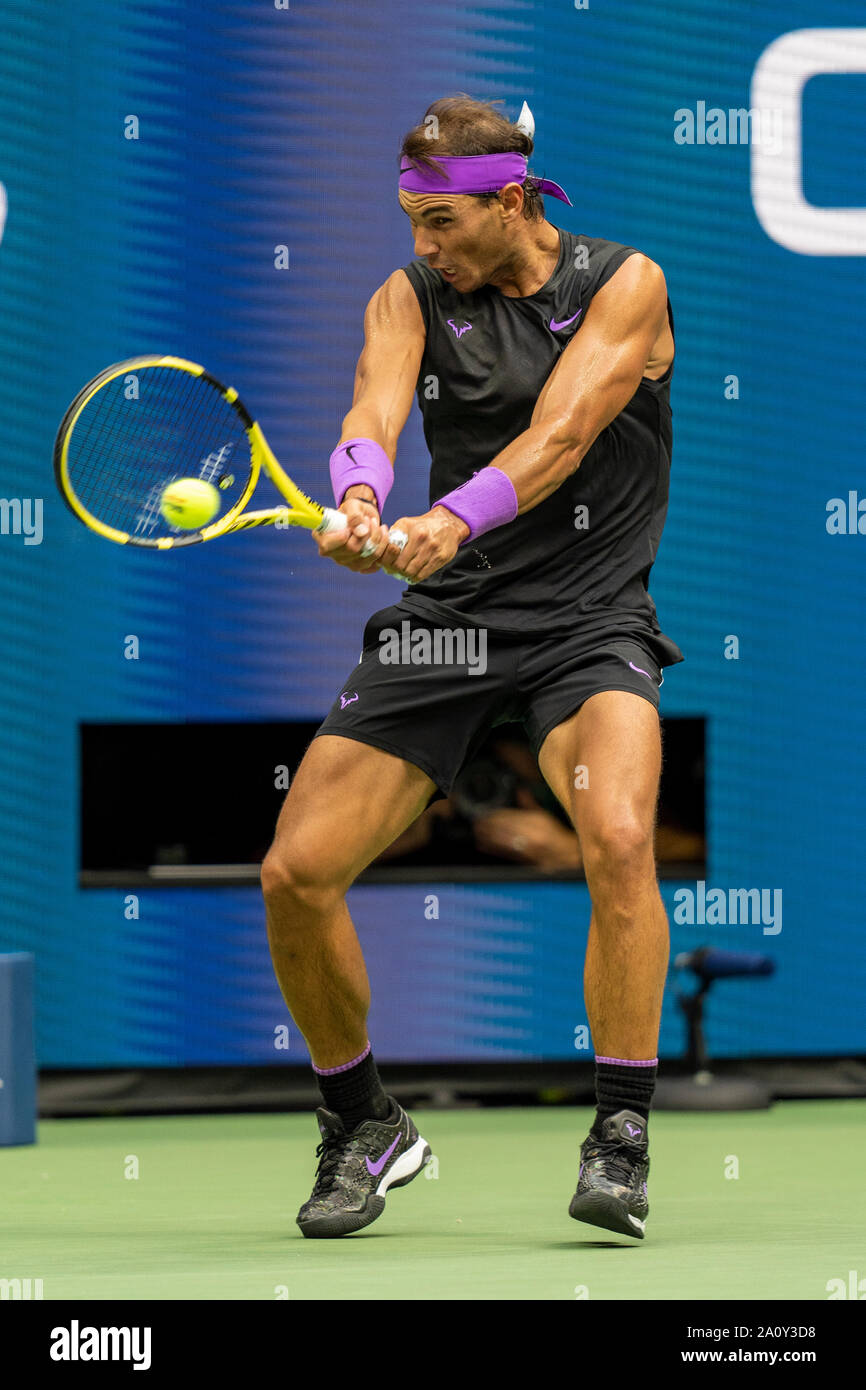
(362,525)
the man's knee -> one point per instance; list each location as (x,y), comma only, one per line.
(617,845)
(299,882)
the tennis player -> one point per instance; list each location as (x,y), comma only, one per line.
(541,361)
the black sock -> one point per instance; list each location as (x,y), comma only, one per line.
(623,1085)
(354,1091)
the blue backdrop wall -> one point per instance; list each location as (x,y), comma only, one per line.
(260,126)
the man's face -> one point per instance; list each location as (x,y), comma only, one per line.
(460,236)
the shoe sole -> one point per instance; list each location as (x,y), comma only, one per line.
(343,1223)
(600,1209)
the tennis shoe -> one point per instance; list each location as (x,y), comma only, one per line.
(356,1170)
(612,1181)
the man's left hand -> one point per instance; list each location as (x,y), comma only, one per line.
(434,540)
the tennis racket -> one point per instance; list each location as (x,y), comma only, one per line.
(149,421)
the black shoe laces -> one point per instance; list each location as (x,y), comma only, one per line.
(619,1161)
(330,1154)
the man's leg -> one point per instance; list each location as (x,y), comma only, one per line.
(617,737)
(347,803)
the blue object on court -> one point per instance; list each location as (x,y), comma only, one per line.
(17,1050)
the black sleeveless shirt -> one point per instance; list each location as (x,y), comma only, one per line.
(580,560)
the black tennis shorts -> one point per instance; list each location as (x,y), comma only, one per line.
(431,694)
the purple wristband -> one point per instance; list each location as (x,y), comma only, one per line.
(361,461)
(487,500)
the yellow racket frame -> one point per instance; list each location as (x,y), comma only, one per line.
(301,511)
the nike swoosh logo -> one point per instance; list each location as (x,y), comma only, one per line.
(640,670)
(374,1169)
(554,326)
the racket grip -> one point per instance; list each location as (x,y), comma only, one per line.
(396,537)
(332,520)
(400,539)
(336,521)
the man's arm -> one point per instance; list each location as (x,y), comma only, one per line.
(387,372)
(385,381)
(595,377)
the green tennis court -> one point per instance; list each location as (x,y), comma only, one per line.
(211,1214)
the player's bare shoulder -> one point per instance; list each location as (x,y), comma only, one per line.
(388,368)
(394,310)
(641,280)
(662,351)
(639,273)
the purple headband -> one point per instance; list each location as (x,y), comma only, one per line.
(474,173)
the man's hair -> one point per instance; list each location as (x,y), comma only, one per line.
(464,126)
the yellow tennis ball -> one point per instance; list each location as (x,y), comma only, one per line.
(189,503)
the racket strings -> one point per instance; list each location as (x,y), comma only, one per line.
(128,443)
